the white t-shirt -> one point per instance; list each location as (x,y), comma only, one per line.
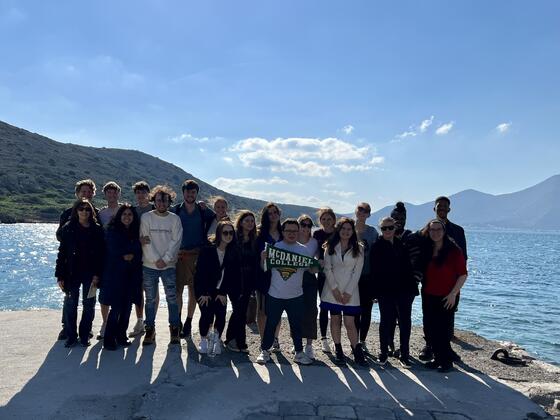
(292,287)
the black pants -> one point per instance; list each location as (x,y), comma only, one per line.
(309,324)
(392,308)
(117,321)
(363,320)
(70,309)
(437,321)
(274,309)
(323,313)
(236,325)
(213,312)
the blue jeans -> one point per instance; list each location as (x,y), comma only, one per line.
(151,278)
(70,310)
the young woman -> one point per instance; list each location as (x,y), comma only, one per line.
(270,231)
(367,235)
(445,274)
(79,263)
(218,273)
(246,232)
(221,210)
(310,286)
(327,220)
(122,278)
(344,260)
(394,287)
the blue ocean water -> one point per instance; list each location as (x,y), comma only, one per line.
(512,293)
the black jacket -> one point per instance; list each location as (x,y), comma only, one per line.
(250,266)
(208,272)
(67,261)
(391,269)
(457,233)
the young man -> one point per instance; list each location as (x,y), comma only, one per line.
(141,191)
(112,193)
(196,219)
(286,295)
(442,207)
(160,233)
(221,210)
(84,188)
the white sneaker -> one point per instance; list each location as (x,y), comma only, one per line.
(217,347)
(138,328)
(263,357)
(309,352)
(364,348)
(275,345)
(203,346)
(325,345)
(302,358)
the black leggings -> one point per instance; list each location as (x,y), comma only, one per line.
(363,320)
(323,313)
(391,309)
(237,320)
(213,312)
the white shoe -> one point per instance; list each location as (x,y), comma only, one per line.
(263,357)
(302,358)
(217,347)
(309,351)
(138,328)
(325,345)
(364,348)
(203,346)
(275,345)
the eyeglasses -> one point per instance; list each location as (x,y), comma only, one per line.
(227,233)
(291,231)
(306,225)
(389,228)
(84,209)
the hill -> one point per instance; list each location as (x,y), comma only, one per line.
(536,207)
(37,176)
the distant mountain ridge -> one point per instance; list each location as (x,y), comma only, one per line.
(37,176)
(536,207)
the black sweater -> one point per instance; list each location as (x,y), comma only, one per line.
(391,270)
(208,272)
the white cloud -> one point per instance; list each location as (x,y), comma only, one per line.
(424,125)
(303,156)
(188,138)
(341,194)
(235,184)
(503,127)
(227,159)
(445,128)
(414,130)
(348,129)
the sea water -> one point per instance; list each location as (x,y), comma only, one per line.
(512,293)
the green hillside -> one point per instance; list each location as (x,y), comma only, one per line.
(37,176)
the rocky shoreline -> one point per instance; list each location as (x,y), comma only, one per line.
(142,382)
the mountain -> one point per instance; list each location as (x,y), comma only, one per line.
(536,207)
(37,176)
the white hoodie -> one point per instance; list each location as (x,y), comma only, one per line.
(165,233)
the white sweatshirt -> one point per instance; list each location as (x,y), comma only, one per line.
(165,233)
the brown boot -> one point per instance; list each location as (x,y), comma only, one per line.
(174,332)
(150,336)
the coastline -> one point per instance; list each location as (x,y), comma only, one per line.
(137,383)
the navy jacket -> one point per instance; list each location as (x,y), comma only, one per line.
(208,272)
(121,278)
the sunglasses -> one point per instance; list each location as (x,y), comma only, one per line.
(84,209)
(363,210)
(227,233)
(306,225)
(384,228)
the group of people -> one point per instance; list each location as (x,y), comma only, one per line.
(124,251)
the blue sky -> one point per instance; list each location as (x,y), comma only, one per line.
(311,102)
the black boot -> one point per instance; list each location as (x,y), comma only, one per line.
(339,359)
(174,332)
(359,357)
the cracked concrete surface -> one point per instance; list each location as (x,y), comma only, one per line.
(42,379)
